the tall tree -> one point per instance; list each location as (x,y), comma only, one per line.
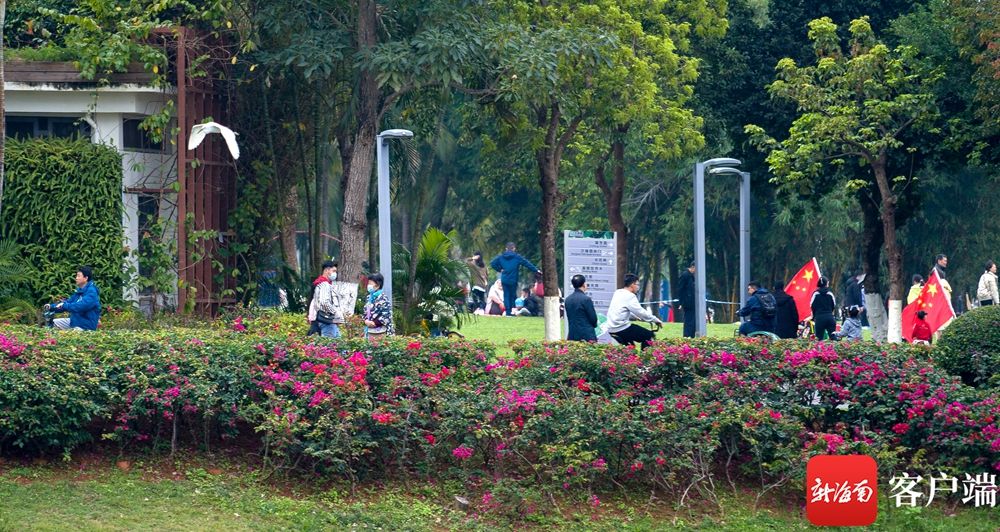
(3,100)
(856,105)
(604,64)
(647,91)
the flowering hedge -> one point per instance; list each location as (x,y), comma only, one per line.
(554,417)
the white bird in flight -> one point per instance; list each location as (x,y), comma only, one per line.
(198,132)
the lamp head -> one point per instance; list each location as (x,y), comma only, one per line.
(722,161)
(396,134)
(725,170)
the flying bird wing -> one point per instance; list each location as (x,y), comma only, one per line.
(230,137)
(199,131)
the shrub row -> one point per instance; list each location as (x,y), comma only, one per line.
(557,416)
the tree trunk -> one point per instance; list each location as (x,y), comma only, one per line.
(613,193)
(358,177)
(3,100)
(872,237)
(893,251)
(288,225)
(286,230)
(306,173)
(323,197)
(549,181)
(548,158)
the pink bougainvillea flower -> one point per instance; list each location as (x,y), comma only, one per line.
(430,438)
(318,398)
(462,452)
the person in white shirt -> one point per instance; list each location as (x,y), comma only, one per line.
(987,290)
(623,309)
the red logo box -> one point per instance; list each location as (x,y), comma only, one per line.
(842,490)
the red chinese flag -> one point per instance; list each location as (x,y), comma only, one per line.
(934,301)
(802,286)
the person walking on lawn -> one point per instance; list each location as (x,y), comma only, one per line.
(509,265)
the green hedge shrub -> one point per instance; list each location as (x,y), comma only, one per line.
(555,418)
(63,205)
(970,346)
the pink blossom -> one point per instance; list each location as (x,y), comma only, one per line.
(430,438)
(238,324)
(462,452)
(682,402)
(901,428)
(318,398)
(383,418)
(302,389)
(594,501)
(774,415)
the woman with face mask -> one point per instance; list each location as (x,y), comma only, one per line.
(378,309)
(325,314)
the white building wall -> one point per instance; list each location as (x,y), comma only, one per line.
(105,109)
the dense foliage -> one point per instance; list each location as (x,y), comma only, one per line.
(610,102)
(551,418)
(63,207)
(970,346)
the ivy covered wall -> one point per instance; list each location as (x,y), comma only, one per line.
(63,204)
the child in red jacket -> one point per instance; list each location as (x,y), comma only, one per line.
(921,331)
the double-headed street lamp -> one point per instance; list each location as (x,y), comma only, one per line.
(384,223)
(701,326)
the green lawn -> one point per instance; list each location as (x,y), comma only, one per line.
(153,495)
(501,330)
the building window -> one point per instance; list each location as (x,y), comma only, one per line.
(27,127)
(137,138)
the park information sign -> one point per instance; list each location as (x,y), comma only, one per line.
(591,254)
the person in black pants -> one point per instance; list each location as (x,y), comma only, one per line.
(823,304)
(580,314)
(685,299)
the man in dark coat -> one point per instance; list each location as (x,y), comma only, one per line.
(580,312)
(685,297)
(759,310)
(509,265)
(786,314)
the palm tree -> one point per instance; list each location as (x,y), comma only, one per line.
(13,270)
(429,297)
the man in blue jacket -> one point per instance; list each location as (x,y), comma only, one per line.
(509,265)
(84,306)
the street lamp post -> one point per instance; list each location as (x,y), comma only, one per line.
(701,326)
(384,223)
(744,227)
